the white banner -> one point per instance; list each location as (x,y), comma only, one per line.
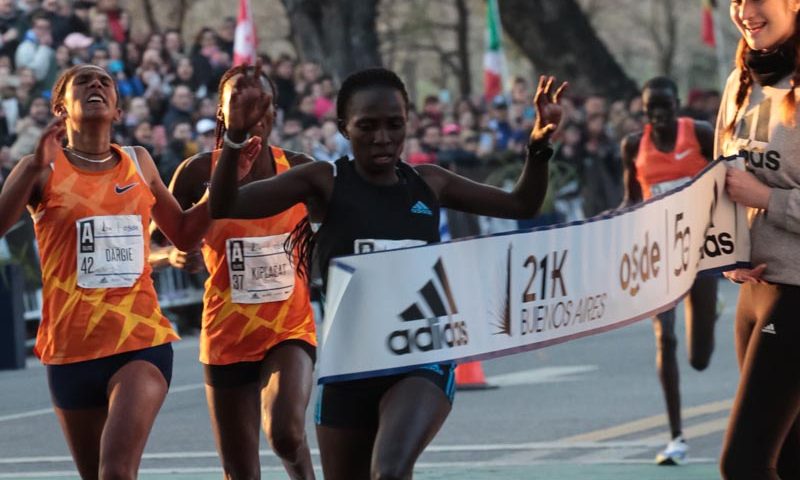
(496,295)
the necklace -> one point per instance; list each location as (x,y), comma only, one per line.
(91,160)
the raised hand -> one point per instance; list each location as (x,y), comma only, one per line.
(191,261)
(49,143)
(548,108)
(248,103)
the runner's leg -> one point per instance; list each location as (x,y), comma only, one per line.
(667,367)
(286,388)
(701,315)
(83,429)
(411,413)
(235,414)
(346,453)
(136,393)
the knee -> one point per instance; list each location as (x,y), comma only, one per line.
(735,467)
(117,471)
(286,438)
(239,473)
(666,343)
(729,467)
(388,472)
(726,468)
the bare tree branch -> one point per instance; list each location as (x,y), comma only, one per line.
(150,16)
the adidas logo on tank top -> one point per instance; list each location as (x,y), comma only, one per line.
(421,209)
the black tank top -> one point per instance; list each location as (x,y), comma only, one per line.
(407,210)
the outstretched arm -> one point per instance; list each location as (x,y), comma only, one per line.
(633,190)
(184,228)
(526,198)
(20,187)
(705,136)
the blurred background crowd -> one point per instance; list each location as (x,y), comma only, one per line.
(169,96)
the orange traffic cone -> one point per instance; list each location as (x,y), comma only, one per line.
(469,376)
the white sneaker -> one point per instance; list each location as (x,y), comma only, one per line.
(674,453)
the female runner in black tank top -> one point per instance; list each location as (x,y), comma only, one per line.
(372,113)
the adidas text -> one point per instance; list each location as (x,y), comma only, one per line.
(434,336)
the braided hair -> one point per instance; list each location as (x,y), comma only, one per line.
(302,239)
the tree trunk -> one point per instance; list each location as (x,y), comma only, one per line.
(670,26)
(305,21)
(558,39)
(338,34)
(183,10)
(150,16)
(462,48)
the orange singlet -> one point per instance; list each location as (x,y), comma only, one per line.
(98,297)
(657,171)
(269,302)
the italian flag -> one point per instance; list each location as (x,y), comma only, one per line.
(245,42)
(707,23)
(493,59)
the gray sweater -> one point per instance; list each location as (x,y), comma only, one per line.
(771,151)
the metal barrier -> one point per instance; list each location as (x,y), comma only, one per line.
(176,288)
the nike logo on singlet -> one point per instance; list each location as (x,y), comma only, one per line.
(121,190)
(680,156)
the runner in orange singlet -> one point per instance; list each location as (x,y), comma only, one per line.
(102,336)
(258,342)
(666,155)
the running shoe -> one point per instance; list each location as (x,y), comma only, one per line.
(674,453)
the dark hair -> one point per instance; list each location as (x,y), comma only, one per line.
(789,104)
(199,37)
(302,239)
(180,38)
(40,14)
(219,131)
(659,83)
(60,87)
(363,80)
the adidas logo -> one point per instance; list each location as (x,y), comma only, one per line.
(432,336)
(770,328)
(421,209)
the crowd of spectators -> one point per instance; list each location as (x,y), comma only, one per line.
(169,96)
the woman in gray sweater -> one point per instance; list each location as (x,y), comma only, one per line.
(758,122)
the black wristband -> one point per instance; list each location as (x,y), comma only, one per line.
(540,152)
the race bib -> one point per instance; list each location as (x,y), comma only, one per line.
(110,251)
(367,245)
(259,268)
(662,187)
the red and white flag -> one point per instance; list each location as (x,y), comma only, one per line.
(245,44)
